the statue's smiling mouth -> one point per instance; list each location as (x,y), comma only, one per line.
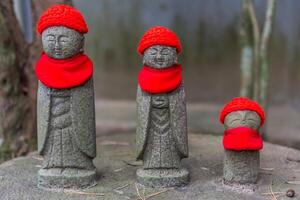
(58,52)
(160,62)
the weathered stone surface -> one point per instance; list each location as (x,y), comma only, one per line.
(116,170)
(159,56)
(160,178)
(60,42)
(66,121)
(161,134)
(241,167)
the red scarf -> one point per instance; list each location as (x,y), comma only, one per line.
(242,138)
(66,73)
(160,80)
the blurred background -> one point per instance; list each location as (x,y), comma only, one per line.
(210,34)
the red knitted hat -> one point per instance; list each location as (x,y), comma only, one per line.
(62,15)
(242,103)
(159,35)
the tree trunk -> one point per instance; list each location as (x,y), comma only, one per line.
(18,83)
(247,52)
(254,58)
(263,55)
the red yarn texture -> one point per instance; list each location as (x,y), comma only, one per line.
(242,103)
(62,15)
(62,74)
(160,80)
(159,35)
(242,138)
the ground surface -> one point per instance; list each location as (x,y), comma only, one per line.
(116,168)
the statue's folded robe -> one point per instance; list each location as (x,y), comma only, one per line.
(177,105)
(82,104)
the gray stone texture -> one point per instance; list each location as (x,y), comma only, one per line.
(161,134)
(66,121)
(159,56)
(117,170)
(241,167)
(60,42)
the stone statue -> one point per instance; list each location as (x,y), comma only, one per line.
(161,135)
(242,119)
(65,102)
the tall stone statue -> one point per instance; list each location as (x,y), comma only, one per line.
(242,119)
(161,135)
(65,102)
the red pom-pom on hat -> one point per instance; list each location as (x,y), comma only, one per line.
(242,103)
(159,35)
(62,15)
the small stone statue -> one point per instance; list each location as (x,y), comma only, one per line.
(242,119)
(161,111)
(65,102)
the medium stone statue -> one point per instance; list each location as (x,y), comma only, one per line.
(242,119)
(161,135)
(65,102)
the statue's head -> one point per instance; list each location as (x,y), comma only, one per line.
(241,118)
(160,47)
(62,28)
(160,56)
(242,112)
(60,42)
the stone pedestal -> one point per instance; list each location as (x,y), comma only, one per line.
(68,178)
(241,167)
(163,177)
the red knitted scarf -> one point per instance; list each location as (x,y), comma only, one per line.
(160,80)
(66,73)
(242,138)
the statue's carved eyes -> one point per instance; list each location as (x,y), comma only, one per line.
(234,120)
(153,52)
(51,38)
(251,119)
(63,39)
(165,52)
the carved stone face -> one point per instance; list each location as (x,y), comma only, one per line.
(242,118)
(159,56)
(60,42)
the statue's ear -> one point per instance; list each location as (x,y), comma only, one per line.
(82,44)
(176,60)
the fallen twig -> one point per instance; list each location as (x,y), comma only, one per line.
(267,169)
(131,164)
(70,191)
(272,193)
(121,187)
(155,194)
(293,182)
(118,170)
(138,192)
(37,158)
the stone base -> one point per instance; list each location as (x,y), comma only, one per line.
(56,178)
(163,177)
(241,167)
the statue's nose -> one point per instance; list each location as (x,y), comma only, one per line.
(56,45)
(159,56)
